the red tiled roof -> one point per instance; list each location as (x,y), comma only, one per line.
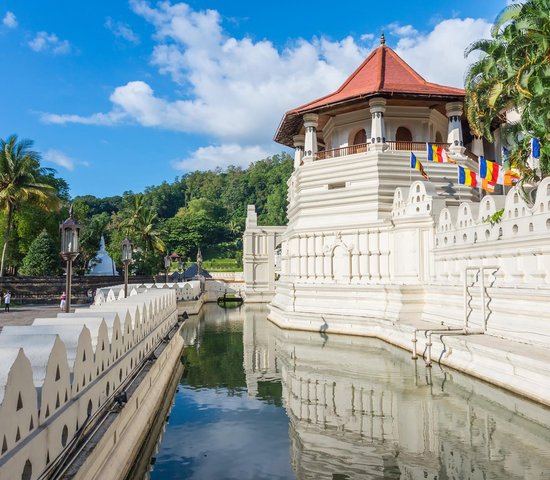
(383,72)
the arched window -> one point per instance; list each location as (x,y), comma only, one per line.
(403,134)
(360,137)
(438,137)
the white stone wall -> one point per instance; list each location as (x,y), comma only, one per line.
(260,246)
(405,268)
(58,372)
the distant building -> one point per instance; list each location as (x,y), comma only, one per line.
(102,264)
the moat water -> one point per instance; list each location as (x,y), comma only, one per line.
(258,402)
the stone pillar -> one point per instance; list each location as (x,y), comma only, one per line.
(298,150)
(477,146)
(310,141)
(378,129)
(454,136)
(497,145)
(251,216)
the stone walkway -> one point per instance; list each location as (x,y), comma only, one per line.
(25,314)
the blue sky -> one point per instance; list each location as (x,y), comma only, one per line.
(118,95)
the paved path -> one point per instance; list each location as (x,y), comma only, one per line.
(25,314)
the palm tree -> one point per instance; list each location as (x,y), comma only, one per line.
(514,72)
(142,224)
(20,183)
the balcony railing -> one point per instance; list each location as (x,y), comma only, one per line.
(342,152)
(413,146)
(392,146)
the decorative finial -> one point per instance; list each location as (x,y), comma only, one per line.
(382,39)
(71,211)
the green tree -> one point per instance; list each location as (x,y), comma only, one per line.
(201,224)
(513,71)
(21,182)
(142,224)
(42,258)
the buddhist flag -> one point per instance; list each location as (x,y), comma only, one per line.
(416,165)
(534,158)
(436,153)
(509,178)
(488,187)
(466,177)
(489,170)
(535,148)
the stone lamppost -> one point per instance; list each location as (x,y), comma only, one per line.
(126,260)
(70,231)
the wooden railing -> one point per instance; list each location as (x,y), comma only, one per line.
(413,146)
(342,152)
(392,146)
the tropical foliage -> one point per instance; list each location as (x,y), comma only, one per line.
(22,183)
(513,72)
(42,258)
(200,209)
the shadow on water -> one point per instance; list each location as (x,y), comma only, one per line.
(259,402)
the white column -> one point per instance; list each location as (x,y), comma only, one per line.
(497,145)
(454,136)
(357,256)
(477,146)
(314,253)
(310,141)
(323,255)
(306,238)
(298,150)
(378,129)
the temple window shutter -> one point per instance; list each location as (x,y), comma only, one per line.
(403,134)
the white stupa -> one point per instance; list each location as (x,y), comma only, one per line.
(102,264)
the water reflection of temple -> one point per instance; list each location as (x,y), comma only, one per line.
(260,362)
(358,408)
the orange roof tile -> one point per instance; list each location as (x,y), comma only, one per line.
(382,72)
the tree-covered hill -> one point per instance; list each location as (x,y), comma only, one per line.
(205,209)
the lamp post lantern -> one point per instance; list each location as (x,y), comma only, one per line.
(70,231)
(167,263)
(126,260)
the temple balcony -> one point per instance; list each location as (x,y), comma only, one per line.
(392,146)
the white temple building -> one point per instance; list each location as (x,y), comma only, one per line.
(102,264)
(371,248)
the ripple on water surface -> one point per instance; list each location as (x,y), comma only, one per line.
(257,402)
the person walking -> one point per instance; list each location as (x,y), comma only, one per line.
(7,301)
(63,302)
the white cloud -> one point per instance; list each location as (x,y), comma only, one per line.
(439,55)
(61,159)
(110,118)
(10,20)
(122,30)
(235,90)
(208,158)
(49,42)
(402,30)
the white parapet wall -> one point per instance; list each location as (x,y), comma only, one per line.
(428,255)
(260,258)
(59,372)
(432,264)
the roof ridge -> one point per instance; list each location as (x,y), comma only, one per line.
(403,63)
(344,85)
